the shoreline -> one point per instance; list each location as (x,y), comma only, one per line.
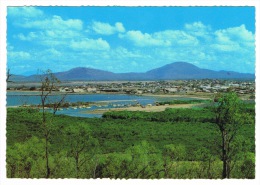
(159,108)
(195,96)
(200,97)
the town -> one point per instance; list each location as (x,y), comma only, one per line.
(179,87)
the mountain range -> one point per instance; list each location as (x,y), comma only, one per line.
(173,71)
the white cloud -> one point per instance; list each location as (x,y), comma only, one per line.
(28,12)
(177,37)
(196,43)
(18,55)
(119,27)
(226,47)
(107,29)
(10,47)
(90,44)
(197,29)
(51,38)
(122,53)
(196,26)
(144,39)
(54,23)
(46,30)
(31,36)
(62,34)
(133,63)
(42,36)
(164,38)
(237,33)
(21,36)
(54,52)
(234,39)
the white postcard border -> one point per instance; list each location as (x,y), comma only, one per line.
(5,3)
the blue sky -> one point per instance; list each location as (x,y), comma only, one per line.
(129,39)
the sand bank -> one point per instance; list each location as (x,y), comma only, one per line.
(145,109)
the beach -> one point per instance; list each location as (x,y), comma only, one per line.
(139,108)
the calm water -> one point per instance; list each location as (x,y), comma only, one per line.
(114,100)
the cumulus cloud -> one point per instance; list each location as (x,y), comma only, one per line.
(239,35)
(54,52)
(122,53)
(90,44)
(164,38)
(144,39)
(226,47)
(20,55)
(197,29)
(31,36)
(107,29)
(45,30)
(234,39)
(48,35)
(28,12)
(55,22)
(34,18)
(66,40)
(177,37)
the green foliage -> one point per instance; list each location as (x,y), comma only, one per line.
(229,119)
(175,143)
(248,166)
(80,145)
(144,159)
(169,115)
(173,102)
(18,122)
(174,152)
(23,158)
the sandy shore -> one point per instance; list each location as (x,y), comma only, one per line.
(146,109)
(178,96)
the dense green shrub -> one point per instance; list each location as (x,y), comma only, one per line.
(175,143)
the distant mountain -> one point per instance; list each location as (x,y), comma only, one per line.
(14,78)
(173,71)
(184,70)
(178,70)
(81,73)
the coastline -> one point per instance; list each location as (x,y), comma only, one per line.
(159,108)
(195,96)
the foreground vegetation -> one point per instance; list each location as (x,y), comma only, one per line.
(176,143)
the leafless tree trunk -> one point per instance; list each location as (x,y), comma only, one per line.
(8,75)
(48,85)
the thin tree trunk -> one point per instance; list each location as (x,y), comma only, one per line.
(224,155)
(209,168)
(47,157)
(94,171)
(13,169)
(77,165)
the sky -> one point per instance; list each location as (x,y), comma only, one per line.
(129,39)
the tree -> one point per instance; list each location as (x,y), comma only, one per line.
(206,160)
(81,145)
(248,166)
(8,75)
(23,157)
(229,118)
(48,84)
(143,161)
(172,153)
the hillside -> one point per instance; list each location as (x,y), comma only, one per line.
(173,71)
